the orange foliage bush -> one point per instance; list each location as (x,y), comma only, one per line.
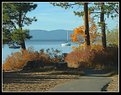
(13,62)
(82,56)
(93,56)
(78,57)
(18,60)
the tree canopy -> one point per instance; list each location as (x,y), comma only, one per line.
(98,9)
(14,19)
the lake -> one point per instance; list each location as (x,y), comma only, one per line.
(37,45)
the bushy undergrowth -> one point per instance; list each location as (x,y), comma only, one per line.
(18,60)
(81,57)
(78,57)
(95,56)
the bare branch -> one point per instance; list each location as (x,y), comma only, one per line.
(116,11)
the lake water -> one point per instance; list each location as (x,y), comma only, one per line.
(37,45)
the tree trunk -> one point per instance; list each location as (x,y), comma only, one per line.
(103,26)
(23,45)
(20,27)
(86,23)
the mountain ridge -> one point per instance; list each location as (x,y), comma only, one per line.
(50,30)
(58,34)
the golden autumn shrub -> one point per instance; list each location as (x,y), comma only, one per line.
(18,60)
(94,56)
(83,56)
(13,62)
(79,58)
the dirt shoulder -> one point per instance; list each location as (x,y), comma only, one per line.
(113,86)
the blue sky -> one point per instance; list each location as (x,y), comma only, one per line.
(51,17)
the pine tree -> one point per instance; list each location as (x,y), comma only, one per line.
(14,19)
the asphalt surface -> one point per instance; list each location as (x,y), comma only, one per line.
(84,83)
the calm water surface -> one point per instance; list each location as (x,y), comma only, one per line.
(37,45)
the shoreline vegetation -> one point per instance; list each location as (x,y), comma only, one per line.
(30,70)
(43,70)
(39,71)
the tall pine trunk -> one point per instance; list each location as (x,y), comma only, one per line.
(86,23)
(23,45)
(20,27)
(103,26)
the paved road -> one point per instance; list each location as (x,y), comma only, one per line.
(84,83)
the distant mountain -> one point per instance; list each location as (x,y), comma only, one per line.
(60,30)
(59,34)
